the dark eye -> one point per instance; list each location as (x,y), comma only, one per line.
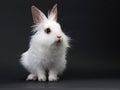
(47,30)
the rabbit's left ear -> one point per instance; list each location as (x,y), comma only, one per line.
(38,15)
(52,15)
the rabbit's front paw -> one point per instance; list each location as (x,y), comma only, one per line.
(53,78)
(31,77)
(42,78)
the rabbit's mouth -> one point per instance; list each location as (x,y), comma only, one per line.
(59,41)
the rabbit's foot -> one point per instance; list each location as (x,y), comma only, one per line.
(31,77)
(42,78)
(53,78)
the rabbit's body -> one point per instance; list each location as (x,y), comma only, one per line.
(46,52)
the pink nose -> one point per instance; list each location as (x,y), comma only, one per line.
(59,36)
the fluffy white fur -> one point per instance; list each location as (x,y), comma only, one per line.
(44,53)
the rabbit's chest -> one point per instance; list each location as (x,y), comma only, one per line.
(51,58)
(47,57)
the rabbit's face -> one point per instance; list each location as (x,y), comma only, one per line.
(48,29)
(50,33)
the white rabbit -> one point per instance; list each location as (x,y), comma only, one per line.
(47,48)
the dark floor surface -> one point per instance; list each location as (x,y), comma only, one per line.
(68,84)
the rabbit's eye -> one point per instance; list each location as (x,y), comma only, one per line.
(47,30)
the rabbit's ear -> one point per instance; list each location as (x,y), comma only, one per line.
(38,16)
(52,15)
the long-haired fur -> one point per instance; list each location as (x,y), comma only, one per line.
(47,48)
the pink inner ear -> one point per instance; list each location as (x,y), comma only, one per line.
(36,19)
(35,14)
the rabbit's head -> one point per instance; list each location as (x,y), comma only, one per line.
(48,30)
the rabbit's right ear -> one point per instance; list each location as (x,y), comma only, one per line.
(38,16)
(53,13)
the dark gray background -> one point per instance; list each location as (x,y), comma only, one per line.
(93,26)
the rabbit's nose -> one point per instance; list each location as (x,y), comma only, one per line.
(59,36)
